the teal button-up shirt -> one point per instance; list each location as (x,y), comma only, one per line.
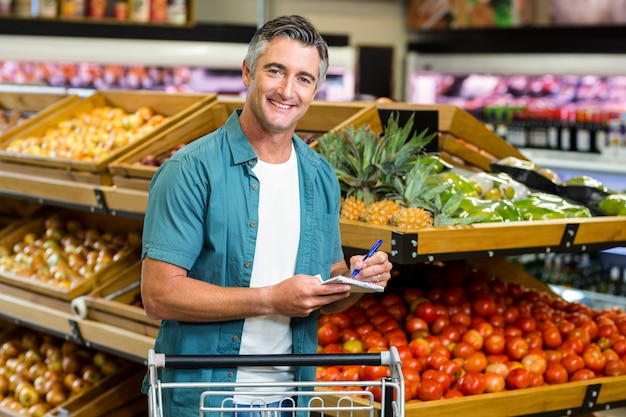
(202,214)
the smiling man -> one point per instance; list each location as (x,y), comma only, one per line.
(238,224)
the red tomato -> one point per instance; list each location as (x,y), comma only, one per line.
(348,334)
(391,298)
(453,393)
(518,378)
(372,340)
(497,368)
(497,320)
(594,359)
(534,339)
(580,333)
(474,338)
(476,362)
(426,311)
(452,333)
(420,347)
(484,328)
(619,346)
(535,380)
(535,362)
(328,333)
(397,311)
(573,363)
(572,345)
(412,365)
(494,344)
(331,373)
(484,306)
(553,355)
(551,337)
(428,390)
(615,367)
(440,376)
(376,391)
(414,324)
(526,324)
(565,327)
(411,294)
(494,382)
(582,375)
(365,328)
(453,295)
(351,373)
(472,383)
(497,286)
(461,318)
(440,323)
(516,347)
(341,320)
(393,333)
(453,369)
(374,372)
(387,326)
(555,373)
(435,360)
(462,350)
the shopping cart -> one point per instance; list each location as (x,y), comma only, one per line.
(319,398)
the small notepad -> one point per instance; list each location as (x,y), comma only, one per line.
(356,285)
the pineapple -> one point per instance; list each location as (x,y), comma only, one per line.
(380,212)
(367,164)
(412,218)
(352,208)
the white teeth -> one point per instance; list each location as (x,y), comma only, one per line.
(280,105)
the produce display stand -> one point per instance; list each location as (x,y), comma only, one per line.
(483,245)
(40,106)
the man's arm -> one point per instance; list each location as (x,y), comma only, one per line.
(169,294)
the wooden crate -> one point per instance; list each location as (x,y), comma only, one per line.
(99,221)
(174,106)
(112,303)
(321,118)
(463,140)
(41,105)
(110,392)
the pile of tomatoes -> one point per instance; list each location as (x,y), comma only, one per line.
(464,332)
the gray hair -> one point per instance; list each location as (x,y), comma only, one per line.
(293,27)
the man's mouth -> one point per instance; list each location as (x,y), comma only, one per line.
(280,105)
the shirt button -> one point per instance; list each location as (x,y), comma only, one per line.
(254,186)
(252,224)
(147,246)
(235,338)
(231,374)
(246,264)
(251,162)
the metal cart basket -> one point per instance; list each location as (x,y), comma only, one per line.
(319,398)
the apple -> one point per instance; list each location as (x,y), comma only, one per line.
(28,395)
(72,363)
(56,397)
(79,385)
(4,385)
(91,373)
(110,366)
(38,410)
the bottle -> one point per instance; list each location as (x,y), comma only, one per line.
(140,11)
(568,130)
(48,8)
(615,281)
(583,135)
(553,130)
(601,133)
(615,136)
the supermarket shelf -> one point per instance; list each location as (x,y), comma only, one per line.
(488,240)
(571,398)
(43,313)
(404,246)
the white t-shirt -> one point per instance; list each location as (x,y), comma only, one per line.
(274,261)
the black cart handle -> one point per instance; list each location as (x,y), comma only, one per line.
(161,360)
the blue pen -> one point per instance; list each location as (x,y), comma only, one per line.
(370,253)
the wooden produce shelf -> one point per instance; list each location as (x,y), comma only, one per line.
(37,313)
(488,239)
(570,398)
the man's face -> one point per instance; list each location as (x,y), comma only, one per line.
(283,84)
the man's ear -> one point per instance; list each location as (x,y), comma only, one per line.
(245,74)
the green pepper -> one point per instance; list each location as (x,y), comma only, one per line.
(491,210)
(459,184)
(613,204)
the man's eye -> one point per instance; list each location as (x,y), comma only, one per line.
(305,80)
